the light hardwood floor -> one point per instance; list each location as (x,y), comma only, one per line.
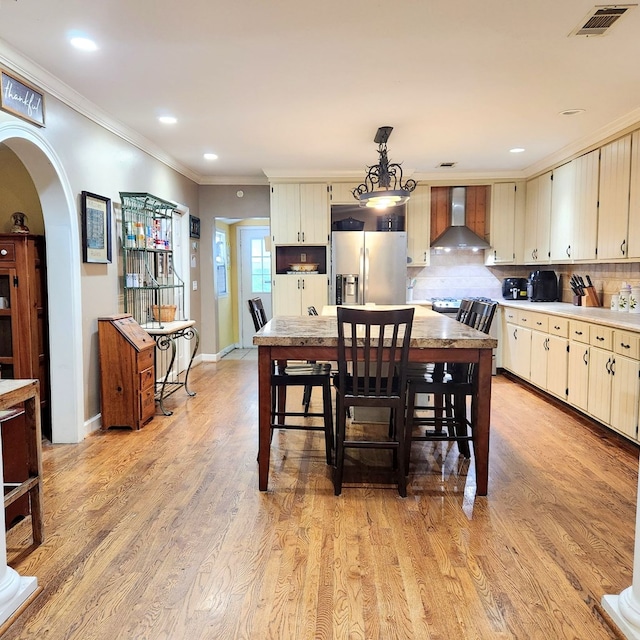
(163,534)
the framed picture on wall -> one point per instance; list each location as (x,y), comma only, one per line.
(96,228)
(194,227)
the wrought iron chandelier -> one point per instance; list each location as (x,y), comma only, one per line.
(383,186)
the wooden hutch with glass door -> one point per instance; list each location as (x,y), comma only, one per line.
(24,351)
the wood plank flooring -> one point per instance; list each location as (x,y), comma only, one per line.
(163,534)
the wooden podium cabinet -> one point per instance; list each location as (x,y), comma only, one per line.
(127,372)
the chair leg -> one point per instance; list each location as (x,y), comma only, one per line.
(460,412)
(341,418)
(399,454)
(408,434)
(328,420)
(306,398)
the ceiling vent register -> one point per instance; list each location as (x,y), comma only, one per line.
(600,19)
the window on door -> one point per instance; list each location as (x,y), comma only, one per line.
(260,266)
(222,285)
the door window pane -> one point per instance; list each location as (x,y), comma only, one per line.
(260,267)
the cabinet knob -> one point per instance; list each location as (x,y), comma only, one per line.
(3,252)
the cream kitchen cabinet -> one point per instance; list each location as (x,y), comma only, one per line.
(502,224)
(538,219)
(300,214)
(342,192)
(574,209)
(549,354)
(419,227)
(615,168)
(634,198)
(578,374)
(292,295)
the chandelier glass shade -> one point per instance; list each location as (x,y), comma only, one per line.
(383,185)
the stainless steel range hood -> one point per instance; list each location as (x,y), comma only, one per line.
(458,235)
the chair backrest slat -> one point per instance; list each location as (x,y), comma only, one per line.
(258,315)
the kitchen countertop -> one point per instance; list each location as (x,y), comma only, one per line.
(433,331)
(597,315)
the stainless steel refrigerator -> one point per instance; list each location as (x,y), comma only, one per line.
(368,266)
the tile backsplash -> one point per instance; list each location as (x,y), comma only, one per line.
(457,274)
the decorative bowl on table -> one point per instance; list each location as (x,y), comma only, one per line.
(304,266)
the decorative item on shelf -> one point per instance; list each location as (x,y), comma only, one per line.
(19,222)
(304,266)
(383,186)
(634,299)
(623,297)
(163,312)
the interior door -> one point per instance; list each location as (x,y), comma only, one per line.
(254,278)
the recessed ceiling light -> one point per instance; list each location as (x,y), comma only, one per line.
(210,156)
(516,150)
(168,119)
(571,112)
(83,43)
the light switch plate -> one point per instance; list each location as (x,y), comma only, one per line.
(194,284)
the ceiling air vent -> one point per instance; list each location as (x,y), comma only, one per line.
(446,165)
(600,19)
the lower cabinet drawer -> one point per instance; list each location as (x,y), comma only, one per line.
(147,404)
(146,378)
(579,331)
(627,344)
(559,326)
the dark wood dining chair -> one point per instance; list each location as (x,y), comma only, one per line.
(307,375)
(449,385)
(373,352)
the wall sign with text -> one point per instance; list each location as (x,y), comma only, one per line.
(21,99)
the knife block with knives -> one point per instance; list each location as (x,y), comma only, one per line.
(586,293)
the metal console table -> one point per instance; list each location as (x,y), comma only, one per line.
(166,336)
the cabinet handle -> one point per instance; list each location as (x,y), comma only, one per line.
(622,247)
(3,252)
(569,251)
(515,334)
(556,327)
(584,357)
(298,283)
(523,319)
(539,323)
(303,236)
(298,236)
(625,346)
(599,338)
(303,283)
(608,365)
(546,344)
(613,367)
(578,333)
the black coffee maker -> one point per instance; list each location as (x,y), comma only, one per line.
(543,286)
(514,288)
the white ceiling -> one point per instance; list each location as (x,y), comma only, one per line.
(298,88)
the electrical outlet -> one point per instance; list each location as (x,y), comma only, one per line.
(303,257)
(194,284)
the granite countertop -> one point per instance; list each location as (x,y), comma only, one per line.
(597,315)
(434,331)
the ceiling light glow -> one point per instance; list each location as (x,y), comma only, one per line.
(516,150)
(210,156)
(168,119)
(83,43)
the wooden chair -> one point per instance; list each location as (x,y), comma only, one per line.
(373,352)
(450,386)
(307,375)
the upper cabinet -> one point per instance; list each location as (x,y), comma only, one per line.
(502,224)
(574,209)
(418,227)
(300,213)
(634,198)
(615,173)
(342,192)
(538,219)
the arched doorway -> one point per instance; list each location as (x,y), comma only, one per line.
(63,277)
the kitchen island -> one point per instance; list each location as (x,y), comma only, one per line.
(434,338)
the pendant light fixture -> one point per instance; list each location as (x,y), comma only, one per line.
(383,186)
